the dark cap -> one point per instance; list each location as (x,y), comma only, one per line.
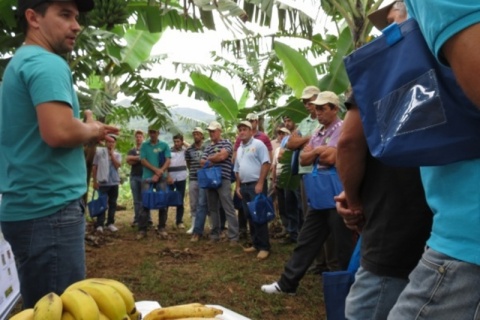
(82,5)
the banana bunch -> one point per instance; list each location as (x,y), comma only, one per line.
(190,311)
(90,299)
(108,13)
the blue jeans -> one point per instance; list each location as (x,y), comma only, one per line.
(112,193)
(372,296)
(144,217)
(180,187)
(201,213)
(440,288)
(49,251)
(258,232)
(136,187)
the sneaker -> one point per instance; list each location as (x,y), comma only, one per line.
(249,250)
(112,228)
(99,229)
(180,226)
(195,238)
(190,231)
(263,254)
(141,235)
(274,288)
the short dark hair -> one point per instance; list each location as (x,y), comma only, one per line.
(178,136)
(41,9)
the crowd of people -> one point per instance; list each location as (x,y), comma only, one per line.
(419,250)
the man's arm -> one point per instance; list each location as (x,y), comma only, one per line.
(462,52)
(133,159)
(113,157)
(263,177)
(220,156)
(351,157)
(296,141)
(60,129)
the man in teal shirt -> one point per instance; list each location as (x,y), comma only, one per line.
(42,164)
(155,158)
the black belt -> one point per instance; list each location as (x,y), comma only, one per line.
(248,183)
(175,169)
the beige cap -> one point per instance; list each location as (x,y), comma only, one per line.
(285,130)
(309,92)
(197,129)
(379,17)
(251,116)
(214,125)
(326,97)
(245,123)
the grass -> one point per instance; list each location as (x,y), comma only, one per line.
(176,271)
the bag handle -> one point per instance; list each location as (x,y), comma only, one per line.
(207,163)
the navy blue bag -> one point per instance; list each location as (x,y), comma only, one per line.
(321,187)
(209,177)
(413,111)
(98,205)
(154,199)
(261,209)
(336,286)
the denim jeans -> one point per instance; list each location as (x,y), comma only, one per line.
(258,232)
(440,288)
(223,196)
(201,212)
(372,296)
(180,187)
(145,213)
(49,251)
(112,193)
(136,187)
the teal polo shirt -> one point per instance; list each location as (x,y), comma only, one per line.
(152,153)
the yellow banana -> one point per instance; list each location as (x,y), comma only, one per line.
(123,290)
(67,316)
(49,307)
(108,300)
(183,311)
(80,305)
(103,317)
(26,314)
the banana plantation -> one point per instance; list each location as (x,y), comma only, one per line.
(114,52)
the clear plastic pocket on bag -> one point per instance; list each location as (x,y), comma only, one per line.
(413,107)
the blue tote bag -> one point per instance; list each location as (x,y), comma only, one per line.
(321,186)
(98,205)
(154,199)
(209,177)
(413,111)
(336,286)
(261,209)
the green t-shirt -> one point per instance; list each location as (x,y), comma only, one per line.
(36,180)
(154,154)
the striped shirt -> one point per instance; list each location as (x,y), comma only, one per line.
(192,157)
(226,164)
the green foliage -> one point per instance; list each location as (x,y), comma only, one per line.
(299,73)
(225,106)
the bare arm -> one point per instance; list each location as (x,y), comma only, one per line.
(462,53)
(60,129)
(220,156)
(351,157)
(131,159)
(114,160)
(296,141)
(263,176)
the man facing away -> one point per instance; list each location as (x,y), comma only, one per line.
(42,163)
(133,159)
(251,169)
(177,175)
